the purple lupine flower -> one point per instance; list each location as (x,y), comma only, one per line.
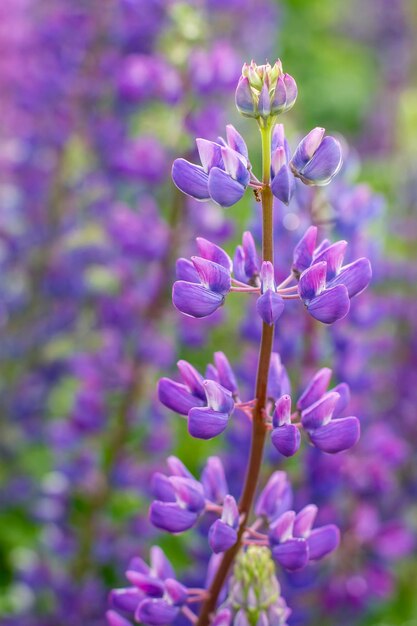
(224,172)
(270,304)
(317,159)
(285,436)
(207,403)
(321,414)
(203,282)
(294,543)
(282,178)
(180,499)
(213,480)
(155,597)
(325,284)
(246,261)
(275,497)
(278,380)
(223,532)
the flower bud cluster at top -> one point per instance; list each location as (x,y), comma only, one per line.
(265,91)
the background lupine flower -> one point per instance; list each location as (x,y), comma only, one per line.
(223,175)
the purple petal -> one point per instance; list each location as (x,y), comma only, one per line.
(291,555)
(251,256)
(190,179)
(281,529)
(279,98)
(162,488)
(278,381)
(355,276)
(303,251)
(331,305)
(322,541)
(264,102)
(236,141)
(344,392)
(320,413)
(283,185)
(210,154)
(177,592)
(185,270)
(159,562)
(213,276)
(223,189)
(177,468)
(239,265)
(218,398)
(190,492)
(235,165)
(286,439)
(312,281)
(192,378)
(333,255)
(126,599)
(149,586)
(270,307)
(315,388)
(304,521)
(292,91)
(325,164)
(275,497)
(213,480)
(278,160)
(176,396)
(243,98)
(306,149)
(170,517)
(226,374)
(156,612)
(221,536)
(211,252)
(279,141)
(282,412)
(267,277)
(336,436)
(230,514)
(195,300)
(206,423)
(114,619)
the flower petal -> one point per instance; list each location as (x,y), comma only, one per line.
(336,436)
(192,378)
(205,423)
(320,413)
(333,255)
(171,517)
(149,585)
(211,252)
(218,397)
(221,536)
(303,251)
(331,305)
(223,189)
(306,149)
(195,300)
(190,179)
(243,98)
(312,281)
(322,541)
(114,619)
(355,276)
(177,396)
(291,555)
(213,276)
(210,154)
(304,521)
(156,612)
(315,388)
(189,492)
(282,412)
(225,372)
(270,306)
(325,163)
(283,184)
(236,141)
(286,439)
(235,165)
(344,392)
(185,270)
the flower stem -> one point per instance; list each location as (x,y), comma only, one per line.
(259,427)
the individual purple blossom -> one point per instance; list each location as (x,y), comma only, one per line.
(285,436)
(223,532)
(246,264)
(270,304)
(321,412)
(294,543)
(325,284)
(203,282)
(317,159)
(207,403)
(159,595)
(180,499)
(223,174)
